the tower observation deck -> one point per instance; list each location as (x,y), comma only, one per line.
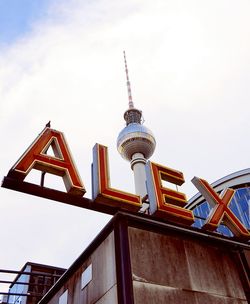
(135,142)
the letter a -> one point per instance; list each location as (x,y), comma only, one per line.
(61,164)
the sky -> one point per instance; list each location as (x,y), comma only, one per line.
(189,67)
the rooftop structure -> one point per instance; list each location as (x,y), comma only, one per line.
(31,283)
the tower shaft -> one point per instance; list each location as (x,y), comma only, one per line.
(137,163)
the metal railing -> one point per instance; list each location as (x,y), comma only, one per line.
(43,286)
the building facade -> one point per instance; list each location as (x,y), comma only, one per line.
(137,259)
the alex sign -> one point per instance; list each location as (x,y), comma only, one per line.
(164,202)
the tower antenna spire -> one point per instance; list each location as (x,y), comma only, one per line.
(130,100)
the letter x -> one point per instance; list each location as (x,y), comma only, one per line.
(221,210)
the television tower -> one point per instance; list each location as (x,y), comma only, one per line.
(135,143)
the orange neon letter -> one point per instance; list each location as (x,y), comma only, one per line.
(35,157)
(102,192)
(221,211)
(165,202)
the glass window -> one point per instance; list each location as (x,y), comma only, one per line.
(86,276)
(64,298)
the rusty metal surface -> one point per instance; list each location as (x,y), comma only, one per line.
(213,270)
(175,265)
(158,259)
(104,272)
(145,293)
(246,254)
(109,297)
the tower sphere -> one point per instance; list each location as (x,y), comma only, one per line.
(135,143)
(135,138)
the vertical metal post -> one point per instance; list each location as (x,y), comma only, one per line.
(123,262)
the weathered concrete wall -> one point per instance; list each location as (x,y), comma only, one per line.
(175,269)
(155,265)
(103,287)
